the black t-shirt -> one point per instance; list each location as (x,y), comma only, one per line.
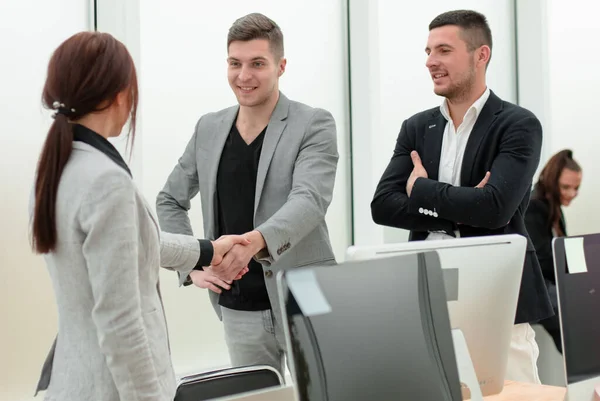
(236,188)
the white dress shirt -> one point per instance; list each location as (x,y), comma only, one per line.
(454,143)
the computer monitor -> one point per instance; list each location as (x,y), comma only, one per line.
(369,330)
(577,268)
(482,277)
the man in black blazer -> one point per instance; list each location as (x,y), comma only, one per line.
(465,168)
(541,234)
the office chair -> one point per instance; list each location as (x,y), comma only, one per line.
(226,382)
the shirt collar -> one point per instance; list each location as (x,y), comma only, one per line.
(477,106)
(86,135)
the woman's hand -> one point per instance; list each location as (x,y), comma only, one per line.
(207,279)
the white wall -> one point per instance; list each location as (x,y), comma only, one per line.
(30,30)
(182,67)
(390,83)
(556,81)
(532,65)
(573,95)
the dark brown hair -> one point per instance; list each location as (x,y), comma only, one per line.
(257,26)
(85,75)
(475,29)
(547,187)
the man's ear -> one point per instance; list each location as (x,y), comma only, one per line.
(484,54)
(282,64)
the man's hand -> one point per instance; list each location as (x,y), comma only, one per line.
(239,256)
(481,184)
(207,279)
(224,245)
(417,172)
(484,181)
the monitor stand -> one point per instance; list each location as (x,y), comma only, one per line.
(587,390)
(466,371)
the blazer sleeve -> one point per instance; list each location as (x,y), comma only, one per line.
(494,205)
(174,200)
(109,218)
(312,190)
(184,253)
(390,203)
(536,222)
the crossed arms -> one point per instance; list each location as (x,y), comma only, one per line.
(489,206)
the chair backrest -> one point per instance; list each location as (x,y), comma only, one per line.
(226,382)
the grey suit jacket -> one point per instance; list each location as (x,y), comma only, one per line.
(294,186)
(112,339)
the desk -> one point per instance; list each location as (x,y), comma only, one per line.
(278,394)
(512,391)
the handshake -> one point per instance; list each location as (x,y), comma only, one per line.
(231,255)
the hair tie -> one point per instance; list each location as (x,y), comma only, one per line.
(62,109)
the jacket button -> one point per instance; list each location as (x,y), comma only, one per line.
(268,273)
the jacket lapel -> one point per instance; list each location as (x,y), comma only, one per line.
(486,118)
(275,128)
(222,129)
(432,149)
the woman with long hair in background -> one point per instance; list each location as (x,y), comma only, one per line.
(557,186)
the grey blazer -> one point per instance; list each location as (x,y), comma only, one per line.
(294,186)
(112,343)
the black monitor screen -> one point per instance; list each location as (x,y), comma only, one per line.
(385,336)
(578,282)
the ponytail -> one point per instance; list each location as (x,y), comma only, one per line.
(55,154)
(85,74)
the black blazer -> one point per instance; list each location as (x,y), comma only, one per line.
(540,231)
(506,140)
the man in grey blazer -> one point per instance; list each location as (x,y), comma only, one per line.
(264,168)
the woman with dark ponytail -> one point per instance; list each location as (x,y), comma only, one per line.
(557,186)
(101,242)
